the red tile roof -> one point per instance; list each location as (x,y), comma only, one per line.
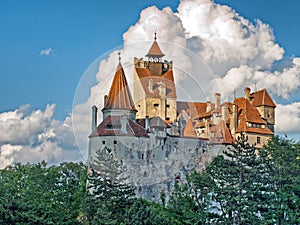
(222,134)
(248,113)
(167,78)
(155,51)
(111,125)
(119,96)
(196,109)
(158,122)
(153,122)
(262,98)
(189,130)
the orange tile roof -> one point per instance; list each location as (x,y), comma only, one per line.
(119,96)
(168,75)
(167,78)
(155,50)
(189,130)
(221,132)
(110,126)
(196,109)
(158,122)
(200,124)
(262,98)
(248,113)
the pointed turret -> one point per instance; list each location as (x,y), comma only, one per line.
(155,51)
(119,100)
(189,130)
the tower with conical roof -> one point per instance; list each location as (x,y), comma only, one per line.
(119,101)
(154,87)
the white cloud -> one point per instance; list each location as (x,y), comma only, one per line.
(47,51)
(201,35)
(33,136)
(288,118)
(240,52)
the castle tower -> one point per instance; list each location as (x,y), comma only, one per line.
(154,87)
(265,105)
(119,100)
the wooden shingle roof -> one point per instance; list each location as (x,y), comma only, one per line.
(119,96)
(155,51)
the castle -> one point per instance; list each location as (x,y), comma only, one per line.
(157,139)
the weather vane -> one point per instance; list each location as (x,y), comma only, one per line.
(119,53)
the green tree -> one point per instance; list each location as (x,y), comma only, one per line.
(191,201)
(281,157)
(108,195)
(37,194)
(237,186)
(143,212)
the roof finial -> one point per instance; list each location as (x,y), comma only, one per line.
(155,35)
(119,53)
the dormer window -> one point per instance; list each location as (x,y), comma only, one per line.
(113,126)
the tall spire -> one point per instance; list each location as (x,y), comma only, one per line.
(155,51)
(119,96)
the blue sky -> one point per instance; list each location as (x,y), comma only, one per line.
(47,45)
(80,31)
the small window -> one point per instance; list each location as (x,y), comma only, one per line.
(113,126)
(167,118)
(142,156)
(168,106)
(103,142)
(156,105)
(258,140)
(115,142)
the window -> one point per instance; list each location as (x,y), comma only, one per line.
(115,142)
(167,118)
(155,104)
(168,106)
(103,142)
(142,156)
(258,140)
(113,126)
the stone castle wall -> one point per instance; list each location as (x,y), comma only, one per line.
(154,164)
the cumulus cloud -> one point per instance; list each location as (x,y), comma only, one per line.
(33,136)
(47,51)
(288,118)
(213,48)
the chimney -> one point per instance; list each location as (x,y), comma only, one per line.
(234,119)
(147,122)
(94,117)
(223,112)
(217,100)
(208,107)
(123,123)
(105,100)
(247,93)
